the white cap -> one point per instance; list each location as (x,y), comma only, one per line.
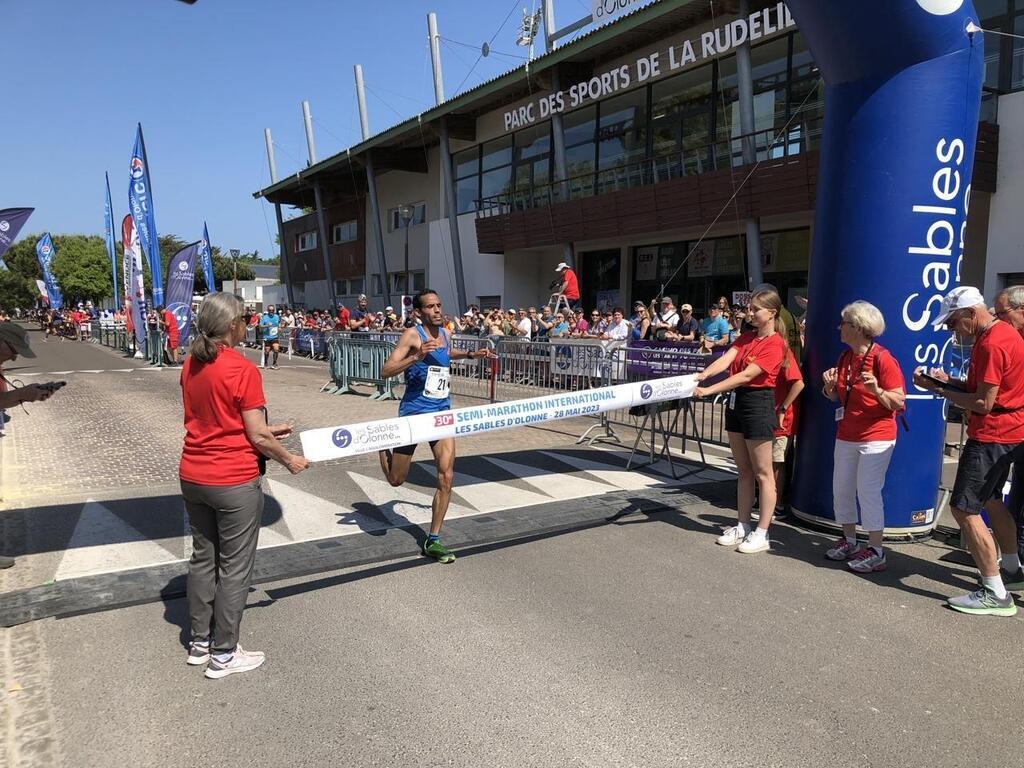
(562,265)
(962,297)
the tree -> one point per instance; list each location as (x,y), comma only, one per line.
(16,290)
(81,266)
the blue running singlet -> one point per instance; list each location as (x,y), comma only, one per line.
(427,381)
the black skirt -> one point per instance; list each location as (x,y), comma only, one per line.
(751,412)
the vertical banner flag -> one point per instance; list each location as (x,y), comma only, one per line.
(11,222)
(108,223)
(140,204)
(181,280)
(206,260)
(45,253)
(137,292)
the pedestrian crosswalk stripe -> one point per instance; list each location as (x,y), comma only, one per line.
(489,496)
(557,485)
(91,550)
(402,505)
(620,478)
(307,516)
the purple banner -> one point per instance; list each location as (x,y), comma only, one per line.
(656,359)
(181,281)
(11,222)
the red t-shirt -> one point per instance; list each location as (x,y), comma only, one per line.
(343,317)
(170,324)
(216,450)
(767,353)
(787,377)
(572,285)
(998,358)
(865,419)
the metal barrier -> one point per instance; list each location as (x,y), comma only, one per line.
(359,361)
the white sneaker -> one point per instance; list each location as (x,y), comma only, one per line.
(731,536)
(240,661)
(752,543)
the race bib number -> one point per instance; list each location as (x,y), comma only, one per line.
(840,412)
(437,384)
(732,400)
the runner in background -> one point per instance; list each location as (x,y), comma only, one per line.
(169,326)
(424,354)
(270,326)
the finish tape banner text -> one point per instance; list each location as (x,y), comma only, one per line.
(353,439)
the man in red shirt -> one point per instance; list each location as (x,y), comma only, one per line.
(570,287)
(994,396)
(169,325)
(343,317)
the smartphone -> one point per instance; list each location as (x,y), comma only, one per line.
(53,386)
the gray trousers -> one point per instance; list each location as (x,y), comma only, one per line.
(225,522)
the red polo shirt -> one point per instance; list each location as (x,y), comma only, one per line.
(865,419)
(767,353)
(216,450)
(572,285)
(998,358)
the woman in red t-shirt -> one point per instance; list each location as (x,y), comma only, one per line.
(868,385)
(226,434)
(754,361)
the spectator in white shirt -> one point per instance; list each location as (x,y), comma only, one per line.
(619,328)
(524,326)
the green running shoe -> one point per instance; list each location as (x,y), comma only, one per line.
(982,601)
(438,551)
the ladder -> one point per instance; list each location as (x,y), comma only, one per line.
(557,301)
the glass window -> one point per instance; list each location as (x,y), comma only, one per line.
(305,241)
(496,182)
(467,191)
(346,232)
(1017,68)
(579,159)
(623,130)
(497,153)
(466,162)
(533,142)
(681,117)
(988,8)
(356,285)
(376,286)
(578,126)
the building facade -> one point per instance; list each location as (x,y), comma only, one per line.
(658,185)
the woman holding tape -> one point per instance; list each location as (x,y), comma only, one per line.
(226,438)
(753,362)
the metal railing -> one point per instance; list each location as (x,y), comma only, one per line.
(723,154)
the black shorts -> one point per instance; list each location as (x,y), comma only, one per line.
(270,342)
(409,450)
(752,414)
(980,475)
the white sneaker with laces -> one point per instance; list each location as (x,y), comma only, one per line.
(240,661)
(753,542)
(731,536)
(843,550)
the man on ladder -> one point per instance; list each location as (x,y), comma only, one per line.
(569,291)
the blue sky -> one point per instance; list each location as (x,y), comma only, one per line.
(218,73)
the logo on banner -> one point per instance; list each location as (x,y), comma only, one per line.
(941,7)
(137,168)
(45,250)
(342,438)
(183,266)
(646,391)
(4,225)
(443,420)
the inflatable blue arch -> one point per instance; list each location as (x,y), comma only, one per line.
(903,85)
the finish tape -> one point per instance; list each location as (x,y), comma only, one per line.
(353,439)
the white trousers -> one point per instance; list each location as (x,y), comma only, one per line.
(859,475)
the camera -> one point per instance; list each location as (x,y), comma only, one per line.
(555,284)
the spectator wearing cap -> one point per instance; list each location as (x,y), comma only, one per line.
(714,328)
(994,396)
(14,343)
(1009,307)
(687,329)
(570,287)
(665,319)
(360,318)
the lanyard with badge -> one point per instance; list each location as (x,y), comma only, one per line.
(851,380)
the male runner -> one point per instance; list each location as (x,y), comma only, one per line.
(270,325)
(424,354)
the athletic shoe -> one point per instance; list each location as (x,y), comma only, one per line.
(240,661)
(843,550)
(983,601)
(752,543)
(731,536)
(274,367)
(439,551)
(1014,582)
(867,561)
(198,652)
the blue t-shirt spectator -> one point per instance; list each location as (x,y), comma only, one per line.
(559,329)
(715,328)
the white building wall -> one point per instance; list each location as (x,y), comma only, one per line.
(1005,252)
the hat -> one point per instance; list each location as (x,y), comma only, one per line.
(17,337)
(562,265)
(686,308)
(666,299)
(361,297)
(963,297)
(468,313)
(389,309)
